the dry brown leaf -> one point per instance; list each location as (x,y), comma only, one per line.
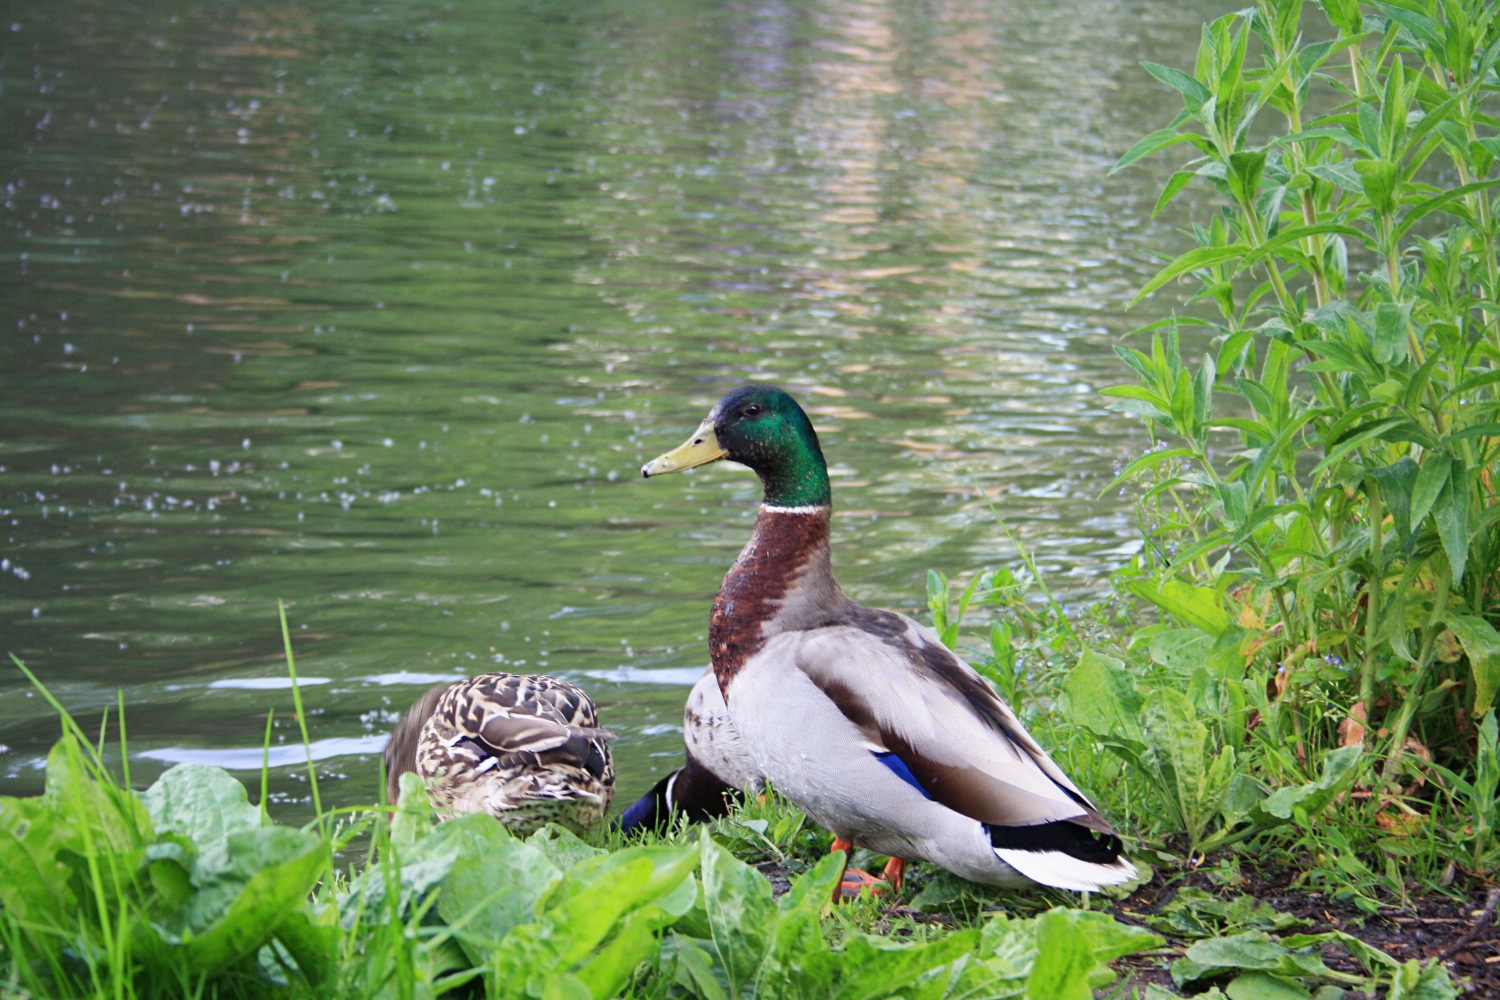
(1352,729)
(1400,824)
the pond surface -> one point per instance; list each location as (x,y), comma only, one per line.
(377,310)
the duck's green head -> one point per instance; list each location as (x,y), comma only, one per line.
(762,427)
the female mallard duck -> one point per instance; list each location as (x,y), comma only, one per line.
(717,767)
(860,717)
(525,748)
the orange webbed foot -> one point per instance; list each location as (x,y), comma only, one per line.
(854,881)
(895,873)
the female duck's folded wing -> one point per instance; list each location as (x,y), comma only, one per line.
(513,718)
(912,697)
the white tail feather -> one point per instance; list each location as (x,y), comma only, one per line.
(1064,871)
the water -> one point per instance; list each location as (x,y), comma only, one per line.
(377,311)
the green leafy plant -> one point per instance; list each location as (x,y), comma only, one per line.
(102,889)
(1324,502)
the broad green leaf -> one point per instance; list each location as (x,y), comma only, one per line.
(1415,981)
(562,986)
(1341,175)
(1063,961)
(1245,170)
(1108,938)
(115,817)
(266,874)
(1481,645)
(1396,483)
(1172,189)
(602,974)
(1452,197)
(1389,342)
(1102,696)
(1181,649)
(562,846)
(1252,950)
(1265,986)
(868,966)
(1194,913)
(741,915)
(493,882)
(1177,737)
(1344,15)
(34,887)
(1241,798)
(420,866)
(415,817)
(1235,503)
(1194,94)
(1374,961)
(596,923)
(1199,607)
(311,937)
(1339,767)
(798,932)
(695,969)
(201,803)
(1295,233)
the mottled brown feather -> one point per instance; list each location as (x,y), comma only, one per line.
(525,747)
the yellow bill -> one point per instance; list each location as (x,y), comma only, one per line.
(700,449)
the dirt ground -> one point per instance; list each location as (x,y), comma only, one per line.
(1462,934)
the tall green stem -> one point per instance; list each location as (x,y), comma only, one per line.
(1374,591)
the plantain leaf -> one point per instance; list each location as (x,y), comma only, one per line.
(1199,607)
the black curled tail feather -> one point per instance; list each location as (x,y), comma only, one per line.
(691,791)
(651,812)
(1061,835)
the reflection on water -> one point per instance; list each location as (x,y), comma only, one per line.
(378,312)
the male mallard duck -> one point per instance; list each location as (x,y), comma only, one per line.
(863,718)
(525,748)
(716,769)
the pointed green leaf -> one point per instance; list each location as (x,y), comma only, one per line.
(1481,645)
(1378,180)
(1396,483)
(1451,512)
(1452,196)
(1157,140)
(1194,94)
(1432,476)
(1200,607)
(1190,261)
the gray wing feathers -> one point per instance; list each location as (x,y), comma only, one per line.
(918,700)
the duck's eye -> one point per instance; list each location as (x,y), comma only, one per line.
(753,410)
